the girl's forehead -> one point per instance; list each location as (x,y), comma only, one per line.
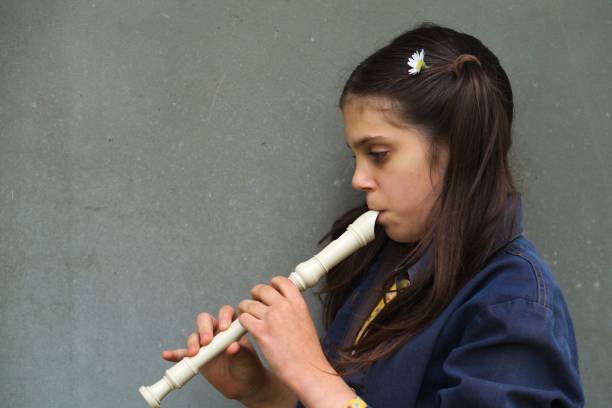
(375,110)
(372,125)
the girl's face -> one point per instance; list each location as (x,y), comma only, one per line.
(392,168)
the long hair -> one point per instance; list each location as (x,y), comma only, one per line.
(463,101)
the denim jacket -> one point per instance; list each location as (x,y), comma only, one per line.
(505,340)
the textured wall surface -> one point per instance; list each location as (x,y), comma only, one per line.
(160,158)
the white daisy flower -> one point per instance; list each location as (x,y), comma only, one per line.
(417,62)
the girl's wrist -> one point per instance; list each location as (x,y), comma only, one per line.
(323,387)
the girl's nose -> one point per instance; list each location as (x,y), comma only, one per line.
(362,181)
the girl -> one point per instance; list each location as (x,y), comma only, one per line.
(450,305)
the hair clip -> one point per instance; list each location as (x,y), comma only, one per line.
(417,62)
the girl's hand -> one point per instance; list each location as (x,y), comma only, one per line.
(237,373)
(279,320)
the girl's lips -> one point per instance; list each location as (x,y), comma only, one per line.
(381,215)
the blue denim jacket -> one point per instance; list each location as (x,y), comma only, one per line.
(505,340)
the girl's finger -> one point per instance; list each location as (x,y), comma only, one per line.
(253,307)
(233,348)
(207,325)
(193,344)
(267,294)
(245,343)
(226,316)
(174,355)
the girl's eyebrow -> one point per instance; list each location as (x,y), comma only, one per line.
(365,139)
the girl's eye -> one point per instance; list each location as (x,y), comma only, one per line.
(378,156)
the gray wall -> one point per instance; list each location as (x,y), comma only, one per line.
(158,159)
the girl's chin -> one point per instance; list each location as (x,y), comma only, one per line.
(399,236)
(401,239)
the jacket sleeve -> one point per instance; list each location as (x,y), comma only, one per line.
(513,354)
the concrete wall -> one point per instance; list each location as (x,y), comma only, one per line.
(160,158)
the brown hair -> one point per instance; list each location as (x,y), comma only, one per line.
(463,101)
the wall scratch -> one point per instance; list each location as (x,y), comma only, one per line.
(214,99)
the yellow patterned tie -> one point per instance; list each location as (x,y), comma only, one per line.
(389,296)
